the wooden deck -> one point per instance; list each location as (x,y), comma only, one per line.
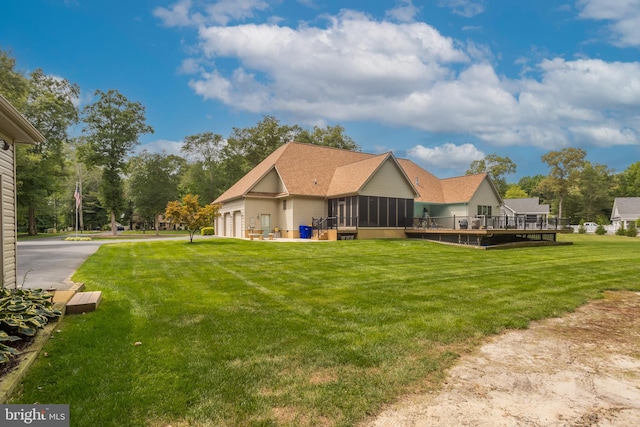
(483,237)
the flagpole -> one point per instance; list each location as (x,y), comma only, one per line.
(76,197)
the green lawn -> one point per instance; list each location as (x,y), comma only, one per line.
(240,333)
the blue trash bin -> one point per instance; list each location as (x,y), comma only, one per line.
(305,232)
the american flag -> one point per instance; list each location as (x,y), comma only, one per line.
(77,196)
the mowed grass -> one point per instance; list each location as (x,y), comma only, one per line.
(240,333)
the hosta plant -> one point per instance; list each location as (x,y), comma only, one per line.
(22,312)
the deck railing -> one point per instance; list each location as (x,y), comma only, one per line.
(486,222)
(346,224)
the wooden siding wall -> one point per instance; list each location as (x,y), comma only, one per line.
(8,268)
(485,196)
(389,181)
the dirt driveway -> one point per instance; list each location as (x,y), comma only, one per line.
(580,370)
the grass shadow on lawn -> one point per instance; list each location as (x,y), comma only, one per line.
(234,332)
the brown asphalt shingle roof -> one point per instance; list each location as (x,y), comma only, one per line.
(349,179)
(314,170)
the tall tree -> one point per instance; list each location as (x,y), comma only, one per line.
(331,136)
(529,184)
(14,86)
(497,167)
(514,191)
(629,181)
(594,188)
(247,147)
(50,107)
(204,175)
(113,125)
(154,182)
(564,167)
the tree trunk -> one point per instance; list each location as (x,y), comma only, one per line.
(32,228)
(157,225)
(114,229)
(560,206)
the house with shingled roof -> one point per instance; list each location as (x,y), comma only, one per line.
(363,195)
(526,210)
(625,210)
(14,129)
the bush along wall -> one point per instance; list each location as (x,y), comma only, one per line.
(22,313)
(207,231)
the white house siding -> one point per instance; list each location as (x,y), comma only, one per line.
(388,181)
(226,224)
(484,196)
(8,236)
(237,224)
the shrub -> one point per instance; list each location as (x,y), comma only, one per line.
(632,230)
(601,231)
(582,230)
(207,231)
(22,312)
(621,231)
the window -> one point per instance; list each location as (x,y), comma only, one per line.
(484,210)
(284,205)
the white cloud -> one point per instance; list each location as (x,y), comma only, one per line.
(404,12)
(409,75)
(183,13)
(224,11)
(466,8)
(177,16)
(457,157)
(624,17)
(161,146)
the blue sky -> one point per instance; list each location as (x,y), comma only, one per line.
(442,82)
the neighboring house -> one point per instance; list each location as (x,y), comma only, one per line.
(14,129)
(371,196)
(625,210)
(525,212)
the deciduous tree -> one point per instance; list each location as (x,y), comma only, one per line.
(204,175)
(191,214)
(50,107)
(564,167)
(153,182)
(331,136)
(113,125)
(594,185)
(629,181)
(497,167)
(514,191)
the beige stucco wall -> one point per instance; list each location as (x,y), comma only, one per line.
(256,207)
(271,183)
(388,181)
(303,210)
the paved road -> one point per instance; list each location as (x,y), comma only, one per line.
(50,262)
